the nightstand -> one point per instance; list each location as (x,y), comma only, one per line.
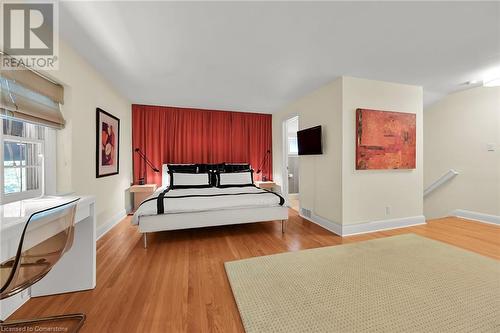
(141,192)
(268,185)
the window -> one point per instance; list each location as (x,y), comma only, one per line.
(22,147)
(30,113)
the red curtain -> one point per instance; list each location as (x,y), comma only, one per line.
(180,135)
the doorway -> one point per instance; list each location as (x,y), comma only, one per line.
(291,159)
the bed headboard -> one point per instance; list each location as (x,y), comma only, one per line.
(227,167)
(164,175)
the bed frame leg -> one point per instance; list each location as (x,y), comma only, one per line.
(283,226)
(145,236)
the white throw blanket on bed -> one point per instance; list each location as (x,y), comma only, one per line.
(207,199)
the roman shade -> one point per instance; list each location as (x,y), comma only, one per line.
(28,96)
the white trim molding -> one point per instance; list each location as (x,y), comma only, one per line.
(113,221)
(475,216)
(334,227)
(362,228)
(379,225)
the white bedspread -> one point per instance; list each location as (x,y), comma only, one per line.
(222,198)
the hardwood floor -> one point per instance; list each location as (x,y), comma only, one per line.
(179,285)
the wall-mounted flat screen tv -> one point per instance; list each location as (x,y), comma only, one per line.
(309,141)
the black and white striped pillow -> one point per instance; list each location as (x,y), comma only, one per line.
(189,180)
(234,179)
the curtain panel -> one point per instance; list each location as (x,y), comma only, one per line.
(182,135)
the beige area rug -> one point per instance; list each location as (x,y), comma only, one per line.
(403,283)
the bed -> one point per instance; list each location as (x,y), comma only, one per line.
(187,207)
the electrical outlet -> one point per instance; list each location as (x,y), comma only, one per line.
(387,210)
(490,147)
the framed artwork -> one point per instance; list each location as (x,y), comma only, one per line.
(107,144)
(385,140)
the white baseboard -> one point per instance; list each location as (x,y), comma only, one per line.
(114,220)
(475,216)
(362,228)
(334,227)
(372,226)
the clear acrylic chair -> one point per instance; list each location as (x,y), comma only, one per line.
(46,236)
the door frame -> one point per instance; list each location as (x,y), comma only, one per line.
(284,155)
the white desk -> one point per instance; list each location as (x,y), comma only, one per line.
(75,271)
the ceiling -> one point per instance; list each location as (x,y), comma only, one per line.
(259,56)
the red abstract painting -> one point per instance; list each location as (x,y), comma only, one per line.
(385,140)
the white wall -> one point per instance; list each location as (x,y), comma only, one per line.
(367,193)
(319,176)
(456,133)
(84,90)
(329,184)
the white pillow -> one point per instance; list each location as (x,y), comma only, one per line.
(227,179)
(189,180)
(165,177)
